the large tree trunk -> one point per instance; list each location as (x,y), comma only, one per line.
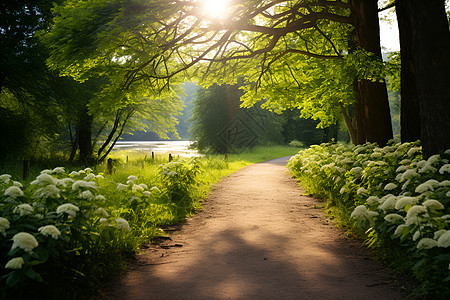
(409,107)
(372,115)
(84,135)
(429,38)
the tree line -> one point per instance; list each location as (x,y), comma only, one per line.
(322,57)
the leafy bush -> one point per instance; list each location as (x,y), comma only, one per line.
(81,226)
(398,201)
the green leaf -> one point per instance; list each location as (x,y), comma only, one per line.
(14,278)
(30,273)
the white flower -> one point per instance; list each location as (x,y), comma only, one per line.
(121,187)
(357,171)
(390,186)
(426,243)
(403,201)
(389,203)
(130,182)
(427,168)
(373,200)
(342,190)
(361,190)
(100,198)
(17,184)
(15,264)
(415,215)
(45,179)
(434,158)
(416,235)
(137,188)
(375,155)
(4,224)
(24,241)
(444,183)
(445,169)
(86,195)
(46,171)
(422,188)
(437,234)
(132,177)
(405,162)
(361,213)
(146,194)
(413,150)
(347,161)
(433,204)
(104,221)
(48,191)
(155,189)
(394,218)
(409,174)
(83,184)
(4,178)
(89,177)
(74,173)
(402,168)
(58,170)
(172,173)
(101,212)
(447,194)
(144,186)
(13,192)
(434,183)
(63,182)
(88,170)
(50,230)
(444,240)
(99,177)
(23,209)
(122,224)
(68,208)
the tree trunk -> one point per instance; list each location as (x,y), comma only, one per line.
(84,135)
(348,123)
(372,115)
(430,44)
(409,105)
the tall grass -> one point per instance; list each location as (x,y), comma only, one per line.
(112,215)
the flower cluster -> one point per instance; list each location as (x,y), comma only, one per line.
(55,209)
(392,190)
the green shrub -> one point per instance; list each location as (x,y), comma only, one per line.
(398,201)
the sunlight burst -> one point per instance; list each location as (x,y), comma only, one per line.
(215,8)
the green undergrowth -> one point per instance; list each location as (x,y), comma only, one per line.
(66,230)
(392,197)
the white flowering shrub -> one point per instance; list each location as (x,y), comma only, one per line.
(53,224)
(178,177)
(77,223)
(398,199)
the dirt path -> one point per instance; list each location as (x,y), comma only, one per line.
(257,238)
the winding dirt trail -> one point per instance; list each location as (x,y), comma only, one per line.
(257,238)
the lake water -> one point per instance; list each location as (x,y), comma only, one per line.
(173,147)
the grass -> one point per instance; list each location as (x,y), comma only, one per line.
(146,217)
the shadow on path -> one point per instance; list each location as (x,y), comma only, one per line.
(258,238)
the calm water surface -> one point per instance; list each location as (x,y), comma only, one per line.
(174,147)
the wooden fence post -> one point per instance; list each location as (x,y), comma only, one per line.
(110,166)
(25,169)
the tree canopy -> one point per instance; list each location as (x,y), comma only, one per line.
(320,56)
